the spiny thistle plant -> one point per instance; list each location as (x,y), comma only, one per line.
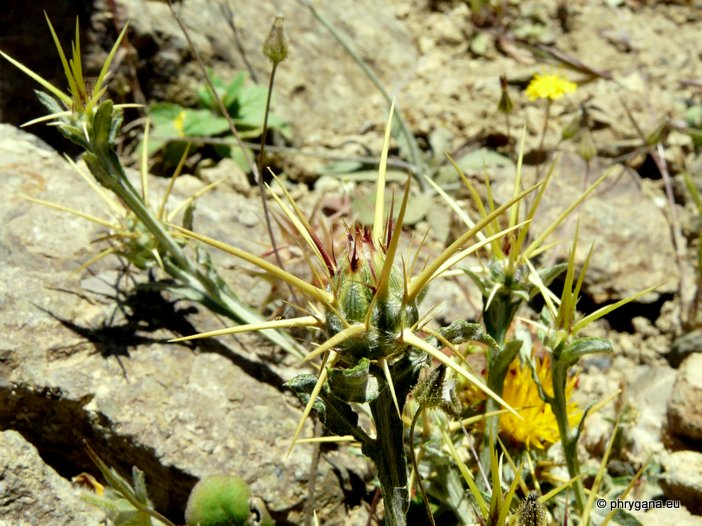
(137,231)
(375,343)
(507,282)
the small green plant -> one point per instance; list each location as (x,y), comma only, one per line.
(246,105)
(125,504)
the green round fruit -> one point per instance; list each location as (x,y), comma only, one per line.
(218,500)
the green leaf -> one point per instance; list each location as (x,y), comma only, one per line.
(101,134)
(584,346)
(48,102)
(203,123)
(502,359)
(164,113)
(252,106)
(356,384)
(231,94)
(204,95)
(337,416)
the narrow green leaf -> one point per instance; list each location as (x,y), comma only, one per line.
(472,486)
(108,61)
(66,68)
(41,80)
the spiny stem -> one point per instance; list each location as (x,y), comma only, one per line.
(387,452)
(415,465)
(568,438)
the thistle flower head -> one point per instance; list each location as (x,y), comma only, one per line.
(538,427)
(357,291)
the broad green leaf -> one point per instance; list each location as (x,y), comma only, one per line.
(203,123)
(204,95)
(164,113)
(231,94)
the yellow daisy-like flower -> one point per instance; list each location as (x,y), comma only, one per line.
(539,427)
(549,87)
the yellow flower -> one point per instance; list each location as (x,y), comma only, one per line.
(539,427)
(549,87)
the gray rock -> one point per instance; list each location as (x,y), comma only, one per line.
(632,244)
(649,395)
(678,516)
(682,479)
(76,365)
(340,104)
(33,494)
(685,407)
(684,346)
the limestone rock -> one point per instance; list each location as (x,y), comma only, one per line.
(632,244)
(678,516)
(682,479)
(684,346)
(90,360)
(339,104)
(649,395)
(685,407)
(33,494)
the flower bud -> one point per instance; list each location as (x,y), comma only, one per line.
(276,45)
(355,287)
(505,105)
(571,129)
(586,148)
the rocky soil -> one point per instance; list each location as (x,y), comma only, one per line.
(84,352)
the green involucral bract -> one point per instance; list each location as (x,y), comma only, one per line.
(356,290)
